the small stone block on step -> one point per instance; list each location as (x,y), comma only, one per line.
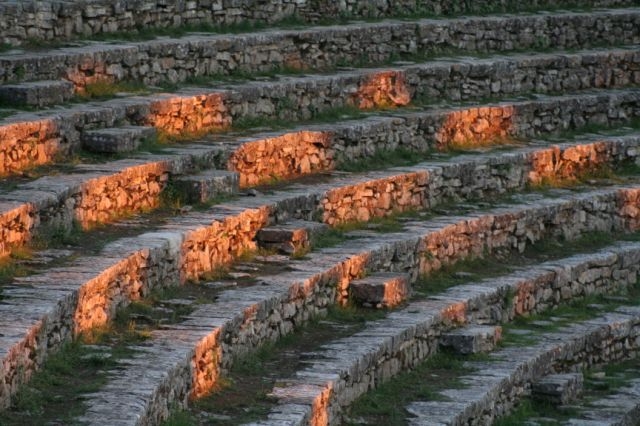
(207,185)
(472,340)
(289,237)
(558,389)
(37,93)
(381,290)
(116,139)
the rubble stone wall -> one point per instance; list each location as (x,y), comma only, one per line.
(57,20)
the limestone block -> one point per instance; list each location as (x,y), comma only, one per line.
(558,388)
(290,237)
(37,93)
(471,340)
(116,139)
(207,185)
(381,290)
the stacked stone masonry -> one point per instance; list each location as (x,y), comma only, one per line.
(126,270)
(309,289)
(55,20)
(494,389)
(176,60)
(103,193)
(28,139)
(330,383)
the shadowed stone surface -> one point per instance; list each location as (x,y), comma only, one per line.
(558,389)
(472,340)
(37,93)
(116,139)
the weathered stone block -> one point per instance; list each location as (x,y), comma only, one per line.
(558,389)
(37,93)
(471,340)
(381,290)
(290,237)
(116,139)
(207,185)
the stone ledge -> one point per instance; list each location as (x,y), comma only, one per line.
(114,140)
(103,192)
(188,246)
(37,93)
(349,367)
(497,384)
(56,20)
(32,139)
(224,329)
(196,55)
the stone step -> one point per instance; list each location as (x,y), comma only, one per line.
(198,110)
(37,93)
(335,376)
(103,192)
(381,290)
(472,340)
(68,300)
(291,237)
(496,385)
(621,407)
(207,185)
(321,47)
(63,20)
(116,140)
(558,389)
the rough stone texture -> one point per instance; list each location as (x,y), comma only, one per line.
(381,290)
(336,375)
(495,386)
(194,111)
(558,389)
(102,193)
(472,340)
(115,140)
(292,237)
(207,185)
(59,20)
(91,290)
(621,408)
(37,93)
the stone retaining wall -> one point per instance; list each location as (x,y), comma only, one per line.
(265,320)
(412,334)
(197,111)
(56,20)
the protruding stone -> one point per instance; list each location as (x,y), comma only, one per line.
(207,185)
(37,93)
(558,389)
(116,139)
(472,340)
(290,237)
(381,290)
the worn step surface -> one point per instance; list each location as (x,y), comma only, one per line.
(36,93)
(620,408)
(188,246)
(321,47)
(335,376)
(291,237)
(381,290)
(114,140)
(198,110)
(558,389)
(472,340)
(495,385)
(207,185)
(55,20)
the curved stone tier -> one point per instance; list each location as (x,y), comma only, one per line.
(28,139)
(176,60)
(55,20)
